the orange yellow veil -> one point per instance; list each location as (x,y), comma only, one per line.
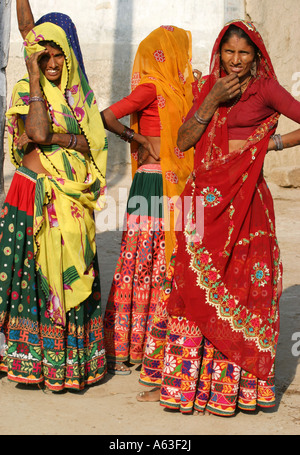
(164,59)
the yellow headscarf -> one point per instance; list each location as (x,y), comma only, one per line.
(164,59)
(64,228)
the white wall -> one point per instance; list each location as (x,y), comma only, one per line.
(110,31)
(278,23)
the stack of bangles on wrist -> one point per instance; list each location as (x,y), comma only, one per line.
(127,134)
(73,142)
(35,98)
(201,120)
(278,141)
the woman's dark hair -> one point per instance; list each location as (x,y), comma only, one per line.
(51,43)
(240,33)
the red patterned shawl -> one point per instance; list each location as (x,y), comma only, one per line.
(229,279)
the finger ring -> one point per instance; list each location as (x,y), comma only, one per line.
(229,95)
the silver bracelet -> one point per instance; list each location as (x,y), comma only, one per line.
(278,141)
(200,119)
(71,140)
(35,98)
(75,141)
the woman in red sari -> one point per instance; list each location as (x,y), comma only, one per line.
(214,336)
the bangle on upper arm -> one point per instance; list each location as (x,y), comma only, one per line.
(201,120)
(278,141)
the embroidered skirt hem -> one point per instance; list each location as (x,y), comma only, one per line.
(32,349)
(194,375)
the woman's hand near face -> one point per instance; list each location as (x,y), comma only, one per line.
(197,75)
(226,88)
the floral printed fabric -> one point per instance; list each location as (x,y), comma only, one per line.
(36,350)
(65,200)
(164,59)
(197,376)
(193,375)
(229,279)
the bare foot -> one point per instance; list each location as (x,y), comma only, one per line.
(198,413)
(151,396)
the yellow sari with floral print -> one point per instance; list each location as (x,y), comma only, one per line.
(64,228)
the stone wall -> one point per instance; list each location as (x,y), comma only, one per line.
(278,23)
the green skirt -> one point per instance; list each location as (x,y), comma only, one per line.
(140,270)
(33,350)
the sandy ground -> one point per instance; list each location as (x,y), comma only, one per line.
(110,408)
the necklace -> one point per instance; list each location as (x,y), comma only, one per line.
(244,87)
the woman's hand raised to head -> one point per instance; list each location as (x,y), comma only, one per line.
(25,17)
(32,63)
(37,122)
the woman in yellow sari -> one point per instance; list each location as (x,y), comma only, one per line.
(50,309)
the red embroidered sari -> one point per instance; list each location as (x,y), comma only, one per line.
(228,281)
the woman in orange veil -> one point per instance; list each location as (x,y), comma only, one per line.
(161,97)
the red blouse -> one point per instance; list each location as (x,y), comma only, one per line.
(142,100)
(264,97)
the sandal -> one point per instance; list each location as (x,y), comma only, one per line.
(118,368)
